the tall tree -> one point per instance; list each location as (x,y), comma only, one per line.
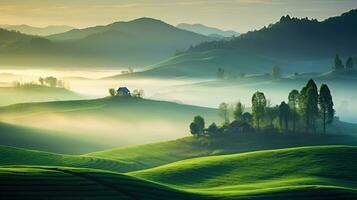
(259,104)
(200,122)
(338,63)
(194,129)
(349,64)
(293,103)
(238,111)
(308,105)
(224,112)
(284,116)
(326,106)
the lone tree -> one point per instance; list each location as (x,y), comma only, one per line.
(349,64)
(293,102)
(326,106)
(284,116)
(224,112)
(238,111)
(259,104)
(338,63)
(112,92)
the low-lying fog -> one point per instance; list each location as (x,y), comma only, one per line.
(207,93)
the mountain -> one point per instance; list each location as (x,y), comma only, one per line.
(136,43)
(295,45)
(39,31)
(206,30)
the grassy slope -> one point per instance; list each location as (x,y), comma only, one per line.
(156,154)
(108,122)
(40,139)
(286,172)
(13,95)
(69,183)
(19,156)
(324,172)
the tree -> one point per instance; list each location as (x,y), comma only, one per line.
(247,117)
(293,102)
(326,106)
(258,107)
(349,64)
(112,92)
(212,129)
(51,81)
(338,63)
(308,105)
(200,122)
(224,112)
(138,93)
(220,73)
(238,111)
(284,116)
(271,113)
(276,72)
(41,80)
(194,129)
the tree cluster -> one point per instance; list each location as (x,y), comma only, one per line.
(309,110)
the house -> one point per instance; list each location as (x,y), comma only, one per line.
(239,126)
(123,91)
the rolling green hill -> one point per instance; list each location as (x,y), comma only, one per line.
(156,154)
(70,183)
(322,172)
(289,173)
(107,122)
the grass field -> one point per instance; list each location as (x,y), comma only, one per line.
(321,172)
(106,122)
(286,172)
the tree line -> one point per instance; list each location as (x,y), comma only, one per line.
(308,109)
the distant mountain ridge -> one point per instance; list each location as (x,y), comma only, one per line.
(208,31)
(39,31)
(295,45)
(135,43)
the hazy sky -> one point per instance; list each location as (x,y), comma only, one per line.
(239,15)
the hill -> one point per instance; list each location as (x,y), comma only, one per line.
(35,93)
(295,45)
(39,31)
(156,154)
(108,122)
(28,182)
(295,173)
(208,31)
(136,43)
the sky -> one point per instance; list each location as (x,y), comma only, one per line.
(238,15)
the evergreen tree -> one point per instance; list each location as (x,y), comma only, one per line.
(238,111)
(308,105)
(293,102)
(349,64)
(258,107)
(284,116)
(326,106)
(338,63)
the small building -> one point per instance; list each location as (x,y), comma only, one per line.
(123,91)
(240,126)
